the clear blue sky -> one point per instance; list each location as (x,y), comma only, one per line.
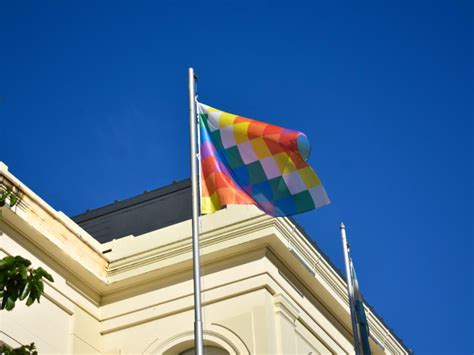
(93,108)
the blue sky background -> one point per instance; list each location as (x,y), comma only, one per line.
(93,108)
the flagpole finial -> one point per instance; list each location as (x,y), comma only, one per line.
(191,70)
(342,226)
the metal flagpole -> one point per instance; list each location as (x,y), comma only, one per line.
(198,338)
(350,290)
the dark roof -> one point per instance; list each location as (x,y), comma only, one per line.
(140,214)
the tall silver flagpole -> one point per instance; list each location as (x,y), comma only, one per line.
(198,338)
(350,290)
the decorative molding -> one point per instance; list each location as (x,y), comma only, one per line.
(284,306)
(227,340)
(55,235)
(242,343)
(8,340)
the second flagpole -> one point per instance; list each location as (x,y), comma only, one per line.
(198,331)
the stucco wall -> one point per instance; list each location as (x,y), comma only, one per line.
(246,311)
(65,321)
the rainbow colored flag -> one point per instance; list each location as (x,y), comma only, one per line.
(244,161)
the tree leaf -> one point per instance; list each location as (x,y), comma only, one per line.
(13,200)
(23,272)
(22,260)
(6,261)
(25,292)
(48,277)
(30,301)
(10,304)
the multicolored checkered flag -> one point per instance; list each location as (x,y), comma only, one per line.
(244,161)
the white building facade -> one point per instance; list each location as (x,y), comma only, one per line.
(267,289)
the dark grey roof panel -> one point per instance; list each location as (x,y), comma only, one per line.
(140,214)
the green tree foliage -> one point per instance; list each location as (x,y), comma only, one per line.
(6,193)
(19,281)
(22,350)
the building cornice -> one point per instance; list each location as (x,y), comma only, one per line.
(142,261)
(51,226)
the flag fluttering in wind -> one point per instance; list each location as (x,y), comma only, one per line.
(361,318)
(360,326)
(244,161)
